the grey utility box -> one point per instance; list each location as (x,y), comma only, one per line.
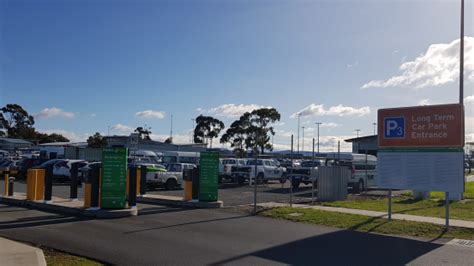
(332,183)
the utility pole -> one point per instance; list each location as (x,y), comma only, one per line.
(302,146)
(318,123)
(192,131)
(171,131)
(461,58)
(375,126)
(357,130)
(298,137)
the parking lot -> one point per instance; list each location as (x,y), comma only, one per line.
(230,193)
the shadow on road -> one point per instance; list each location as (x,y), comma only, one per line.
(342,248)
(15,223)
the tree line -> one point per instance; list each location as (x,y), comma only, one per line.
(15,122)
(252,131)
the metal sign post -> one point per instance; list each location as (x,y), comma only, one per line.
(446,195)
(311,173)
(291,179)
(255,186)
(389,204)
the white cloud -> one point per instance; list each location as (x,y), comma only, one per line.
(439,65)
(72,136)
(279,124)
(93,115)
(122,129)
(339,110)
(353,65)
(469,99)
(178,138)
(329,125)
(150,114)
(53,112)
(231,110)
(395,52)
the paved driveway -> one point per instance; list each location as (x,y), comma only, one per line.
(162,235)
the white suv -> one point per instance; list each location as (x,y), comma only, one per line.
(267,169)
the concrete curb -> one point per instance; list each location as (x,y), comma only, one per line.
(154,199)
(75,211)
(16,253)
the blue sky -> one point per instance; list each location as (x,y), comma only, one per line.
(85,66)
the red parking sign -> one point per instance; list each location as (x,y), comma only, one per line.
(421,126)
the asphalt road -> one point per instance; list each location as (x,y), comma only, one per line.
(161,235)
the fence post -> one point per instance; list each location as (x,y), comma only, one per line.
(48,184)
(74,181)
(132,188)
(143,174)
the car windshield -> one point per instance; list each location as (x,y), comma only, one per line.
(252,162)
(310,163)
(49,162)
(173,168)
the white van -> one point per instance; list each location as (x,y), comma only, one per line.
(362,166)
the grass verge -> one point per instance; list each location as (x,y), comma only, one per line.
(57,258)
(434,207)
(368,224)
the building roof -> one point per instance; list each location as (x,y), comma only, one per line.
(362,138)
(16,141)
(69,144)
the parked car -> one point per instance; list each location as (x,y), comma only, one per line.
(11,165)
(305,173)
(25,164)
(267,169)
(225,167)
(62,169)
(171,179)
(363,172)
(84,170)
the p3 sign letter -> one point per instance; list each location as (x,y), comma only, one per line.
(394,127)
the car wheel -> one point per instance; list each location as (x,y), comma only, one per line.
(241,180)
(360,186)
(170,184)
(260,178)
(295,183)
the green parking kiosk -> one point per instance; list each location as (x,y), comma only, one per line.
(114,174)
(208,175)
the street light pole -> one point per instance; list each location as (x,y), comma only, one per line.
(171,131)
(298,137)
(375,126)
(192,131)
(461,58)
(302,146)
(318,123)
(357,130)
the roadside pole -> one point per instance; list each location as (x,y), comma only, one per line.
(291,179)
(255,185)
(366,173)
(389,204)
(311,174)
(446,195)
